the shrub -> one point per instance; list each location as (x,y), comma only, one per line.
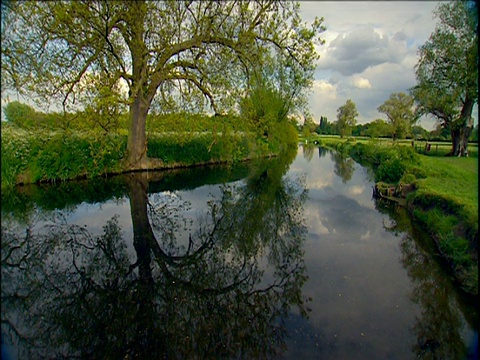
(408,154)
(408,178)
(15,153)
(200,149)
(31,157)
(390,171)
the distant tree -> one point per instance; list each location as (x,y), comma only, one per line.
(400,113)
(321,125)
(103,108)
(360,129)
(440,133)
(447,71)
(20,114)
(309,126)
(379,128)
(346,118)
(324,127)
(419,132)
(26,117)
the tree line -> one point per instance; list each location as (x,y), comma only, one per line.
(401,123)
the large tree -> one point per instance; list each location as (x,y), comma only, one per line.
(447,71)
(346,118)
(163,52)
(399,110)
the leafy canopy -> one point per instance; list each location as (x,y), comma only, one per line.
(346,117)
(400,113)
(165,54)
(447,70)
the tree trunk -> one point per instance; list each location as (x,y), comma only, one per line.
(461,131)
(137,136)
(465,132)
(455,135)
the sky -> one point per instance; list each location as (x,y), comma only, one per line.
(370,50)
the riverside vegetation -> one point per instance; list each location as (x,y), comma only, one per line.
(39,153)
(442,196)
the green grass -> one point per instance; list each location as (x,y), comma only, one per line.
(455,178)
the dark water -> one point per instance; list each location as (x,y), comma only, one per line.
(286,258)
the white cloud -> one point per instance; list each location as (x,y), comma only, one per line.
(356,189)
(361,83)
(320,182)
(355,51)
(325,89)
(370,52)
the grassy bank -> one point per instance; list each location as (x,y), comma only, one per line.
(443,195)
(31,156)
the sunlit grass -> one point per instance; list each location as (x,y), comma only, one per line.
(455,177)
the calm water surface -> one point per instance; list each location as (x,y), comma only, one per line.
(289,258)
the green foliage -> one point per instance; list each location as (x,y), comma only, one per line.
(447,71)
(389,163)
(419,133)
(62,157)
(346,118)
(375,154)
(444,226)
(309,126)
(324,127)
(31,156)
(375,129)
(417,172)
(177,149)
(390,171)
(20,114)
(263,107)
(15,153)
(66,156)
(188,151)
(408,154)
(104,111)
(284,137)
(179,66)
(41,155)
(399,111)
(26,117)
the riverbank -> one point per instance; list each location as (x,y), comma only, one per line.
(440,193)
(50,156)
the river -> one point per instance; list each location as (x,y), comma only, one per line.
(283,258)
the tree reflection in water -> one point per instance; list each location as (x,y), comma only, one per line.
(308,150)
(225,292)
(439,328)
(344,166)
